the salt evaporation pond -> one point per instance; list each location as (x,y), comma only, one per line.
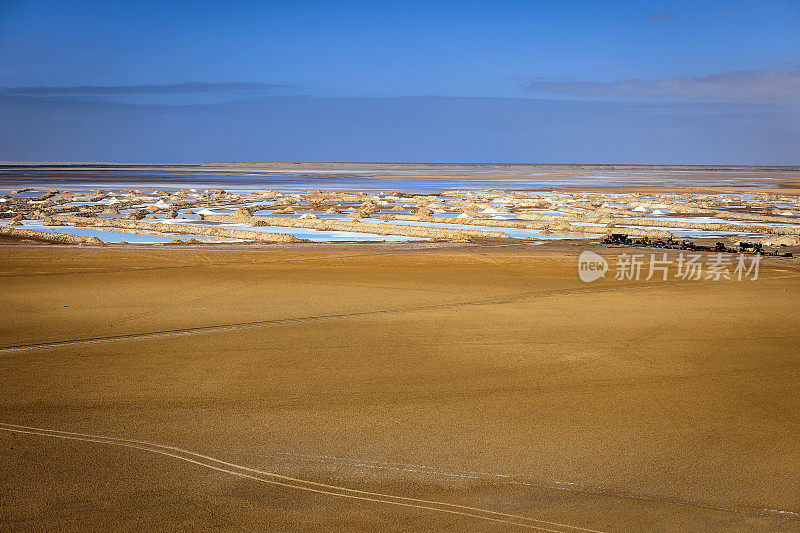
(511,232)
(304,233)
(697,233)
(717,220)
(331,236)
(118,237)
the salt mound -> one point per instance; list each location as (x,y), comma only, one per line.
(308,216)
(137,215)
(242,212)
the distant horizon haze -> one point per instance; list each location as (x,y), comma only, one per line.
(402,129)
(679,82)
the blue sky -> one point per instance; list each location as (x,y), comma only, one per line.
(667,82)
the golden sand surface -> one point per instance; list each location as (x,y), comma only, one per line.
(404,388)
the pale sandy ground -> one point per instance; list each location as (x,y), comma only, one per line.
(661,406)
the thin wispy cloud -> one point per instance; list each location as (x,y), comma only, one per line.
(666,17)
(176,88)
(753,85)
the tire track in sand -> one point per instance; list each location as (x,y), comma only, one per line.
(273,478)
(219,328)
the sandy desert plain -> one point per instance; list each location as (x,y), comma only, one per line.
(241,347)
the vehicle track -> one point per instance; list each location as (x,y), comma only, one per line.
(161,334)
(273,478)
(218,328)
(567,486)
